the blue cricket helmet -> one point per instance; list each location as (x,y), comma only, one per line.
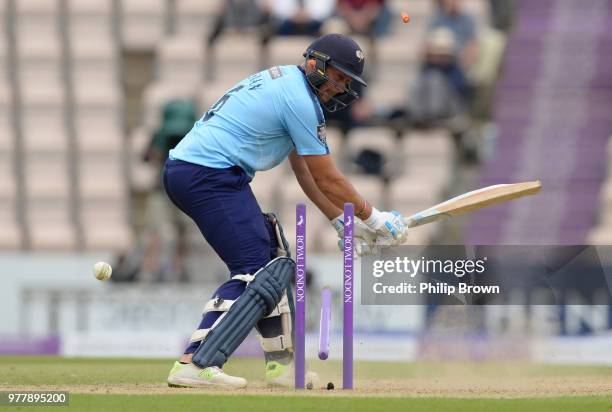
(343,53)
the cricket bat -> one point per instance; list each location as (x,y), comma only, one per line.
(474,200)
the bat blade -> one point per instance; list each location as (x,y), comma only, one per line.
(474,200)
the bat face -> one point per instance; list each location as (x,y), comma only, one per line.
(474,200)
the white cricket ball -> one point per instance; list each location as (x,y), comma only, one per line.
(102,271)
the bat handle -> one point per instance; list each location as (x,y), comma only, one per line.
(410,222)
(385,241)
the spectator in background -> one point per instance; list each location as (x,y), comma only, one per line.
(443,93)
(480,61)
(299,17)
(292,18)
(442,90)
(371,18)
(165,237)
(295,17)
(450,15)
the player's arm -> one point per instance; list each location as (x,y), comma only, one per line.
(364,237)
(310,188)
(339,190)
(332,184)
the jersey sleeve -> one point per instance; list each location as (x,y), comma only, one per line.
(304,121)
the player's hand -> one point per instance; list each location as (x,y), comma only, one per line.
(360,229)
(385,241)
(388,226)
(361,248)
(364,238)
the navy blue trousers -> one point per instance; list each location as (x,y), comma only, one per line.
(222,204)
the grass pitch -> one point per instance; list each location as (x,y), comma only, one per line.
(139,385)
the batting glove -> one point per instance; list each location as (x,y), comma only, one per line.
(388,225)
(364,238)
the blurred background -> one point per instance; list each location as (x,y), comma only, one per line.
(94,93)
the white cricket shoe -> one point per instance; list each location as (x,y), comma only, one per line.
(190,376)
(278,374)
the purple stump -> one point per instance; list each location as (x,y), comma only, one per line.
(300,296)
(324,323)
(347,298)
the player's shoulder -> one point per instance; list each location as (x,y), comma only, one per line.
(288,71)
(282,74)
(286,78)
(291,87)
(294,85)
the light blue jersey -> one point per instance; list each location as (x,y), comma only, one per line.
(257,123)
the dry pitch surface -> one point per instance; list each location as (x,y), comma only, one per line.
(465,382)
(139,385)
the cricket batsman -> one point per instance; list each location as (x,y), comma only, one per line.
(272,114)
